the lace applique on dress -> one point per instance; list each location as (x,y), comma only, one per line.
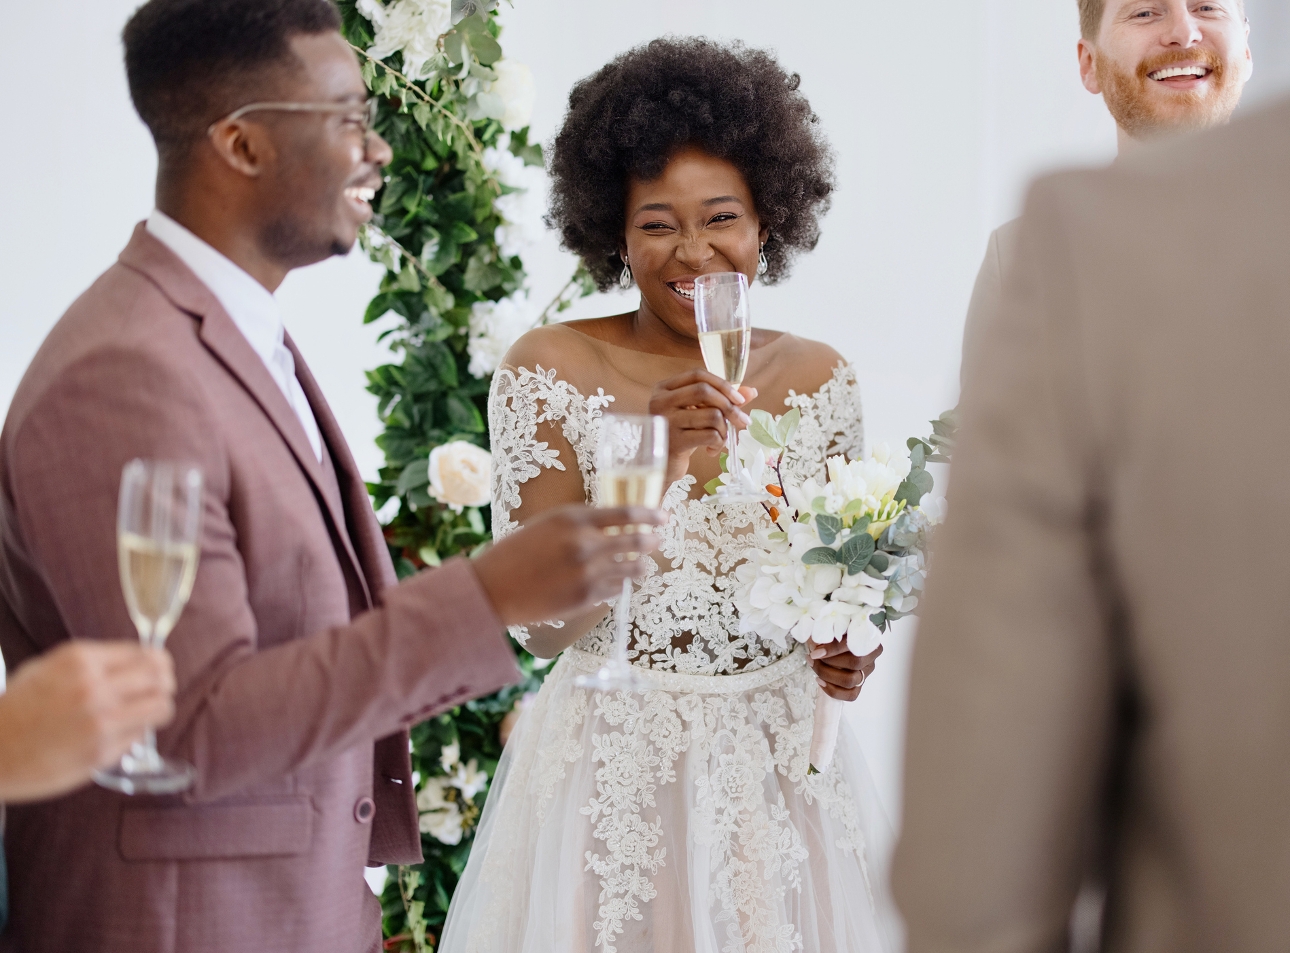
(683,614)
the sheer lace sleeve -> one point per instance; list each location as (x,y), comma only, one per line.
(539,428)
(832,423)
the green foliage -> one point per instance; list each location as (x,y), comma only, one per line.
(433,231)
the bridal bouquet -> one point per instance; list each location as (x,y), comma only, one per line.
(845,558)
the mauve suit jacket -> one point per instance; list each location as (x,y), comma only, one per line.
(1101,684)
(297,651)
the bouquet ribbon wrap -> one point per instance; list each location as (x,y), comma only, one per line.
(824,736)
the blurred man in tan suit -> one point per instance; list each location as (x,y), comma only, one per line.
(1100,685)
(1162,67)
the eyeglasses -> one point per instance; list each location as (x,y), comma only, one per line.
(364,112)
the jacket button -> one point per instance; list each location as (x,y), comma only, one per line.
(364,810)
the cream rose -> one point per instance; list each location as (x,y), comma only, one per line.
(459,474)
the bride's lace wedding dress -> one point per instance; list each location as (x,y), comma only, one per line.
(683,818)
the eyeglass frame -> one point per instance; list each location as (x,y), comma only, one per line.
(368,106)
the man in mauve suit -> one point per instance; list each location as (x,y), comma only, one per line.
(1099,689)
(1161,67)
(300,663)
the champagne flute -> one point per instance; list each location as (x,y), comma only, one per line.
(725,338)
(158,532)
(631,464)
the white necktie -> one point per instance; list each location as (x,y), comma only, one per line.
(295,394)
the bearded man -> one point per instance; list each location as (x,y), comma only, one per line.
(1162,67)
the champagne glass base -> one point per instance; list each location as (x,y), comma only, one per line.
(165,776)
(613,678)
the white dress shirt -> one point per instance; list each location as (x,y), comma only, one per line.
(251,306)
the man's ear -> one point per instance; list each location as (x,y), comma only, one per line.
(243,147)
(1088,66)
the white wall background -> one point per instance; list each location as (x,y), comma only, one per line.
(939,112)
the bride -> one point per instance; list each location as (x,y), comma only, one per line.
(683,818)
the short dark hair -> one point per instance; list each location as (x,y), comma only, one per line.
(629,118)
(189,62)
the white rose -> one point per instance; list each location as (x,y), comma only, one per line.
(469,780)
(522,211)
(431,796)
(494,327)
(515,86)
(446,826)
(410,27)
(459,474)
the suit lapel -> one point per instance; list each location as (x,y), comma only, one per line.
(364,531)
(222,338)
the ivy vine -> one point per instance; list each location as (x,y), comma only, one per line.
(433,230)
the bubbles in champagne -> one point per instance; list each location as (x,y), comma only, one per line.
(725,353)
(157,579)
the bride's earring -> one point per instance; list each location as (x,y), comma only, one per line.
(625,279)
(763,265)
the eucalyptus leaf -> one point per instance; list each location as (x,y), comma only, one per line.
(487,50)
(880,562)
(828,527)
(819,556)
(762,429)
(788,425)
(856,552)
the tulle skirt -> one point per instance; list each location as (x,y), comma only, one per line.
(677,820)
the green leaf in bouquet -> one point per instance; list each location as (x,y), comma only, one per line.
(454,46)
(803,517)
(710,487)
(856,553)
(854,508)
(429,556)
(880,620)
(487,50)
(917,455)
(829,527)
(762,429)
(778,536)
(819,556)
(912,491)
(722,460)
(819,505)
(879,562)
(787,426)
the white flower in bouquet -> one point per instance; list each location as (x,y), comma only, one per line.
(518,92)
(410,27)
(459,474)
(494,327)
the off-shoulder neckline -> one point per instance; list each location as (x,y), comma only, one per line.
(783,336)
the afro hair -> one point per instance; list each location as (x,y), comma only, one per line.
(629,118)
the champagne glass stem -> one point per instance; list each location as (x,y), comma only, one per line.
(149,754)
(624,613)
(732,459)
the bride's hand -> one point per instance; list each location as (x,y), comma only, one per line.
(697,405)
(840,673)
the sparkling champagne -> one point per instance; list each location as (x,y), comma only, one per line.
(631,486)
(725,353)
(157,579)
